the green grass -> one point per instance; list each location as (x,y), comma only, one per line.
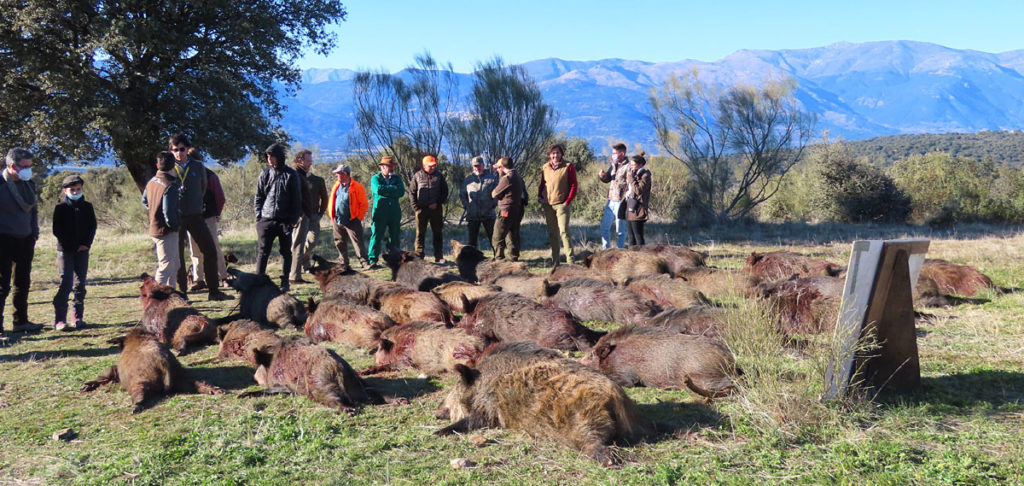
(965,426)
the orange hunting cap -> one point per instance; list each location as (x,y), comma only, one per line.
(429,160)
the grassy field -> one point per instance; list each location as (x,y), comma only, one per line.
(965,426)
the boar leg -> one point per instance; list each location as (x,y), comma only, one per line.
(373,370)
(598,452)
(472,422)
(197,386)
(109,377)
(274,390)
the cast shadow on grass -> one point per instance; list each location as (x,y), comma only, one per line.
(65,353)
(956,393)
(408,388)
(671,419)
(227,378)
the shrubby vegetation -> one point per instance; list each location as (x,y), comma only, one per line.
(1005,147)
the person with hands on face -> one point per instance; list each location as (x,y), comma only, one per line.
(638,198)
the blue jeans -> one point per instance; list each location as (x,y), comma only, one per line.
(610,219)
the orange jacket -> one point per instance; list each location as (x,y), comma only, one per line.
(357,202)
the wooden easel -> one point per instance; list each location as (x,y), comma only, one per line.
(878,305)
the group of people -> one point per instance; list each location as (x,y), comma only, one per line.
(184,200)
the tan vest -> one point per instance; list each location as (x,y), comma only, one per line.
(556,183)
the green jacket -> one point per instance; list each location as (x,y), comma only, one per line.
(386,192)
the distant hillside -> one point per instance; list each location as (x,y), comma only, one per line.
(1002,147)
(857,90)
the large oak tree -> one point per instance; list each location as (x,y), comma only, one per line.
(89,79)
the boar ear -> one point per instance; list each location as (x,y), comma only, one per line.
(550,288)
(604,350)
(119,341)
(469,375)
(385,345)
(311,305)
(262,357)
(221,332)
(754,258)
(467,305)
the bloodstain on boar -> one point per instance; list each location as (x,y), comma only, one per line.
(475,267)
(339,320)
(404,305)
(171,319)
(147,370)
(452,293)
(410,270)
(804,305)
(593,300)
(667,292)
(239,338)
(520,386)
(297,365)
(776,265)
(426,346)
(662,358)
(621,265)
(956,279)
(511,317)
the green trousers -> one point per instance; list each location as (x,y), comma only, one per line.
(557,217)
(389,220)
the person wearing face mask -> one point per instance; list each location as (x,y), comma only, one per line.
(19,230)
(74,225)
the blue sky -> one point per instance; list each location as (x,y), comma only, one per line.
(387,34)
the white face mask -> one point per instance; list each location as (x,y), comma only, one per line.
(25,174)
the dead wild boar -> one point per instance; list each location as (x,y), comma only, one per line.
(926,293)
(677,257)
(530,286)
(775,265)
(404,305)
(475,267)
(666,291)
(511,317)
(239,338)
(410,270)
(593,300)
(334,279)
(452,293)
(621,265)
(566,271)
(697,320)
(520,386)
(956,279)
(426,346)
(171,319)
(147,370)
(297,365)
(808,305)
(718,283)
(264,302)
(339,320)
(662,358)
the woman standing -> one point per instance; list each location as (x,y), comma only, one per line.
(638,198)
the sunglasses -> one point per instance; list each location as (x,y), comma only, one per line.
(177,150)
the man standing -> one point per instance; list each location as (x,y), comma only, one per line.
(477,201)
(557,190)
(278,206)
(213,205)
(308,210)
(616,175)
(509,194)
(387,188)
(347,207)
(161,201)
(429,192)
(19,230)
(192,176)
(318,194)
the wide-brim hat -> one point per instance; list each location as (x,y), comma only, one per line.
(387,160)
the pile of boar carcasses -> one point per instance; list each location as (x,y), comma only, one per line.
(505,331)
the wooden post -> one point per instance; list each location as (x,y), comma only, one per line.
(878,309)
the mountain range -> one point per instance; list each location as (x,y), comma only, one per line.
(857,91)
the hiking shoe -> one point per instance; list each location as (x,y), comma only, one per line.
(374,266)
(77,324)
(219,295)
(299,281)
(60,326)
(200,285)
(3,339)
(439,260)
(27,327)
